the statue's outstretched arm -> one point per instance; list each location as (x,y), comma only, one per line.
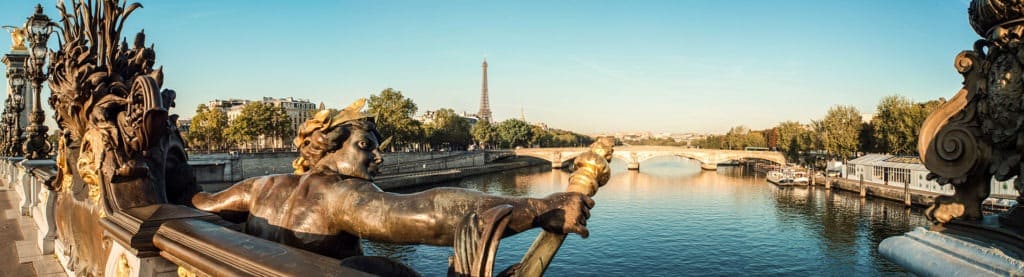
(431,217)
(233,199)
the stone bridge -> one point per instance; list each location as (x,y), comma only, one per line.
(634,155)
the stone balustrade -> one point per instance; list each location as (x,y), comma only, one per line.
(28,179)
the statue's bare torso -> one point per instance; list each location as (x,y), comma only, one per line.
(293,209)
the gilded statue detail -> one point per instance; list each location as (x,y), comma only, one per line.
(18,36)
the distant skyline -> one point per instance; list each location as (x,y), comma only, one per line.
(586,66)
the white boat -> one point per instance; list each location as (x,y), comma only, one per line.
(800,177)
(788,177)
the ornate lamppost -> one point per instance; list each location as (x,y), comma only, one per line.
(11,143)
(39,29)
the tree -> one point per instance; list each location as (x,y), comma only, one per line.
(868,143)
(208,129)
(513,132)
(839,131)
(787,133)
(259,122)
(897,123)
(540,137)
(448,130)
(894,125)
(735,137)
(754,139)
(483,133)
(394,119)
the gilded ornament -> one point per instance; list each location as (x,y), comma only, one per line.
(18,36)
(123,268)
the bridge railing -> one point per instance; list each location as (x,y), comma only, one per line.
(204,248)
(28,179)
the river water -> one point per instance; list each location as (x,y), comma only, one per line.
(672,219)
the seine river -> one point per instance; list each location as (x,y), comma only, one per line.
(672,219)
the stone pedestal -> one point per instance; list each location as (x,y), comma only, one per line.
(958,249)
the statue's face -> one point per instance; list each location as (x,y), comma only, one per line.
(358,156)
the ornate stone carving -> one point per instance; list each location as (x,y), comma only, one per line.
(979,133)
(119,147)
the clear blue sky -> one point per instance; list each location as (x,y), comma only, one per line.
(588,66)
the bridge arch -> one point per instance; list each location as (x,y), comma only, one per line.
(634,155)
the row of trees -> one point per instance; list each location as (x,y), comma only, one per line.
(840,134)
(447,130)
(259,125)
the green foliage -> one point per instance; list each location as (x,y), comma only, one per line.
(484,134)
(208,129)
(258,124)
(513,132)
(738,138)
(656,141)
(788,132)
(897,123)
(839,131)
(448,131)
(563,138)
(394,119)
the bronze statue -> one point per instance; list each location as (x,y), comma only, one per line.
(331,201)
(979,134)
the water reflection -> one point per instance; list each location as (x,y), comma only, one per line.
(672,218)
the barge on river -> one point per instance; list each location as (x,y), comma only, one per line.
(788,177)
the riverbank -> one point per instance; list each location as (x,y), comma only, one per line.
(909,197)
(389,182)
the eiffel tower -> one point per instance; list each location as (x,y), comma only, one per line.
(485,105)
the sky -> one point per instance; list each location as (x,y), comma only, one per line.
(588,66)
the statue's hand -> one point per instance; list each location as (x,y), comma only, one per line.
(566,212)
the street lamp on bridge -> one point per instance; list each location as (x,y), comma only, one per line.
(11,140)
(39,29)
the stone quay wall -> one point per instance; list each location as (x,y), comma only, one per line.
(233,167)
